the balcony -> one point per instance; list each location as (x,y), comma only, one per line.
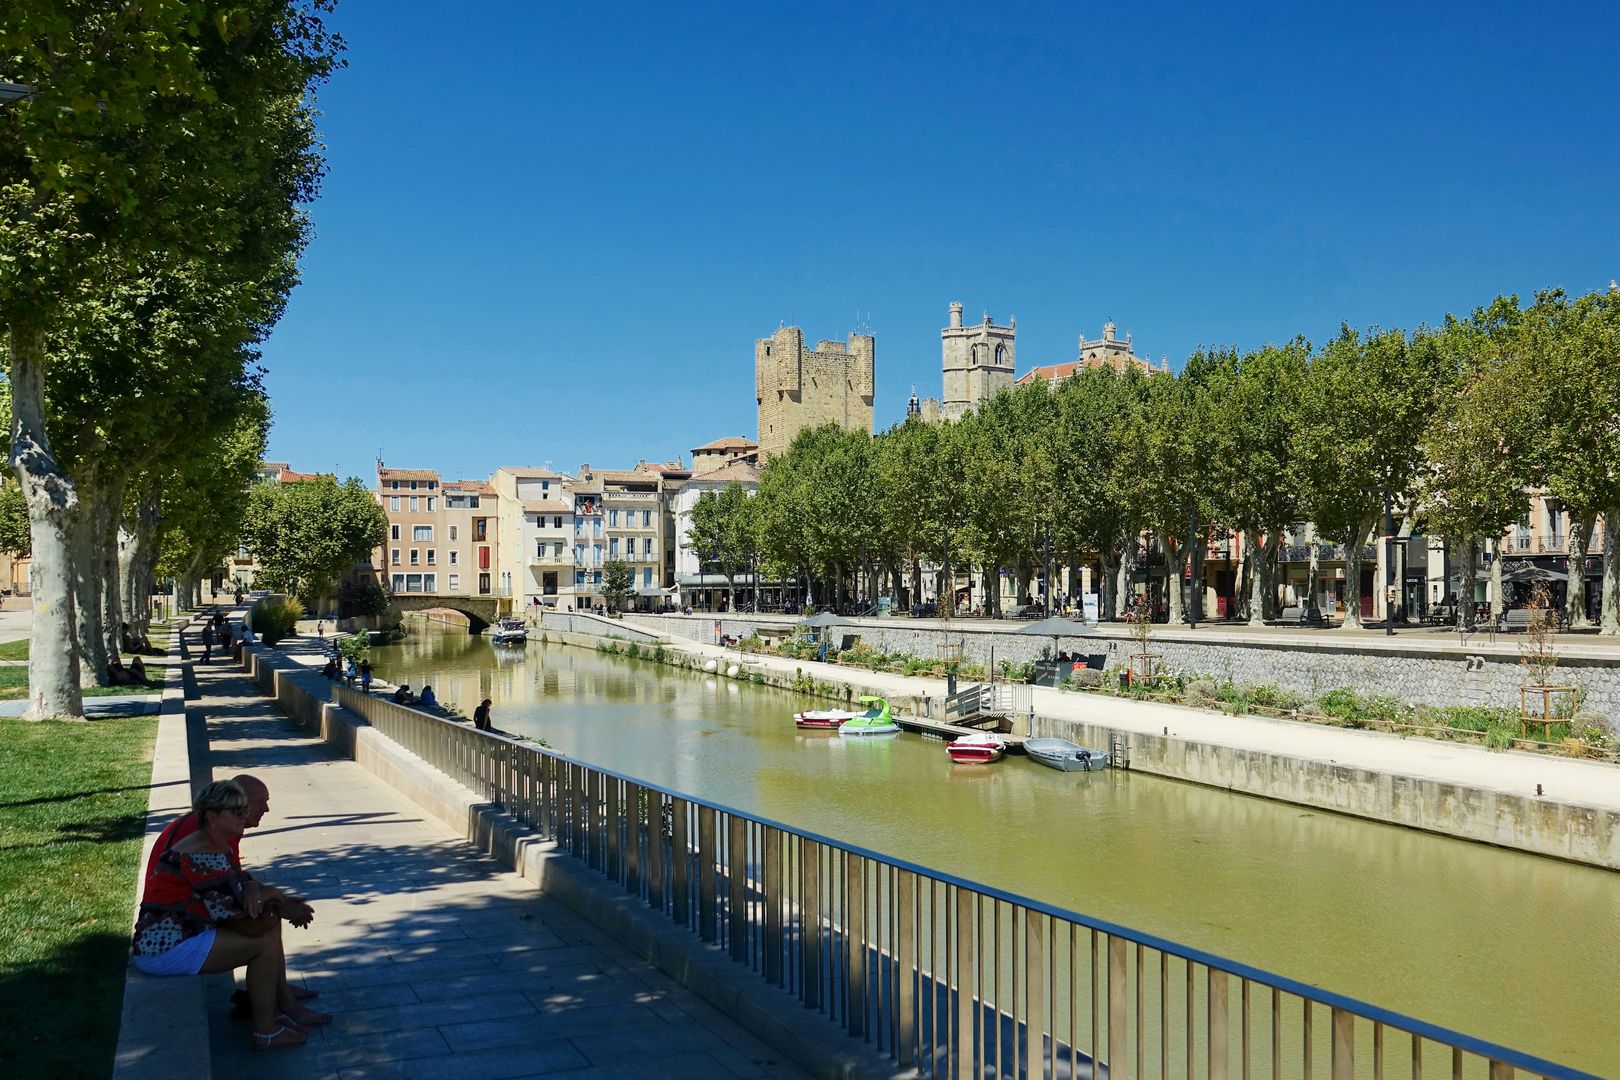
(1297,553)
(1546,544)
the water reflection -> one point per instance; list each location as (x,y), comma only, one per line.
(1504,945)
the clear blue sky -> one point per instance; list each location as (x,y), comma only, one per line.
(552,232)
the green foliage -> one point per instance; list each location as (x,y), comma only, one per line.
(616,583)
(14,538)
(364,596)
(356,647)
(308,534)
(275,618)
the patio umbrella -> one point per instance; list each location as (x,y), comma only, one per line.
(1531,572)
(1056,626)
(821,620)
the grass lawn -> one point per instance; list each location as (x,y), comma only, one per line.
(72,811)
(14,650)
(14,685)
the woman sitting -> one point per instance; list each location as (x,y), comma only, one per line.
(428,699)
(402,696)
(137,671)
(194,894)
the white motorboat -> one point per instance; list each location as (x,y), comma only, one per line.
(1065,756)
(510,632)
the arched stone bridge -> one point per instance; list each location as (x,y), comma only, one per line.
(481,611)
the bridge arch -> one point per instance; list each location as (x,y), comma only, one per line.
(480,611)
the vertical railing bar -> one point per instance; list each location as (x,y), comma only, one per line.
(1378,1050)
(1276,1034)
(968,1059)
(1164,1015)
(1138,1059)
(1456,1063)
(855,945)
(1074,1002)
(1116,1005)
(1343,1059)
(1034,967)
(1190,1028)
(1308,1048)
(1417,1057)
(1219,1029)
(810,921)
(1096,1002)
(737,884)
(708,900)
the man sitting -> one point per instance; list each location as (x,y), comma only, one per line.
(294,909)
(402,696)
(428,699)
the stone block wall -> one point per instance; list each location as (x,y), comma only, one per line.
(1417,672)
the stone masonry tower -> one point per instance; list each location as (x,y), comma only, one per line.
(977,361)
(800,388)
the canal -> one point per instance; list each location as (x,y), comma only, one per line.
(1507,946)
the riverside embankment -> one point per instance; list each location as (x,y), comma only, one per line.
(1559,807)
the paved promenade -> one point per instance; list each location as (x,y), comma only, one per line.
(436,960)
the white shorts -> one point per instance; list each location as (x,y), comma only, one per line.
(186,958)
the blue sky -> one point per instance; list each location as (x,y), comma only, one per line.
(553,233)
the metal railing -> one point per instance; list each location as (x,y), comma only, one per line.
(944,975)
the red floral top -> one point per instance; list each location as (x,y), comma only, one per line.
(185,895)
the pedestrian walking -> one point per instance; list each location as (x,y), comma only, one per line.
(320,628)
(208,642)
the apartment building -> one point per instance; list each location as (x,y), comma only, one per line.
(589,538)
(692,585)
(413,501)
(471,532)
(534,561)
(634,527)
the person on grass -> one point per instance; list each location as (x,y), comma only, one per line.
(202,914)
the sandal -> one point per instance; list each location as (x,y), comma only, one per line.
(311,1018)
(279,1039)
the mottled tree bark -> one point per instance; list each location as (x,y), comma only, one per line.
(1611,572)
(1352,576)
(1253,564)
(53,506)
(1580,537)
(1467,556)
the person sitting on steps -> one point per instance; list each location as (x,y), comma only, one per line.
(402,696)
(428,699)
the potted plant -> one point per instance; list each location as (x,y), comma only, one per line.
(1144,666)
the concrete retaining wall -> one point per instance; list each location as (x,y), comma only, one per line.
(1428,671)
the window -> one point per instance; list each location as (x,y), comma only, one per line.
(393,503)
(579,554)
(474,502)
(646,519)
(430,504)
(393,532)
(413,582)
(596,554)
(613,519)
(539,548)
(422,533)
(413,504)
(430,582)
(613,548)
(646,577)
(413,485)
(481,529)
(431,554)
(455,556)
(415,556)
(579,577)
(483,583)
(455,582)
(399,583)
(1001,355)
(395,556)
(452,532)
(558,551)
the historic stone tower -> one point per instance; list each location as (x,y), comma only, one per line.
(977,361)
(800,388)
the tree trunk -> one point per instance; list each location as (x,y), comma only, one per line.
(1172,581)
(1127,569)
(1465,588)
(1257,582)
(1611,572)
(1315,571)
(87,586)
(53,506)
(1498,602)
(1105,586)
(1580,537)
(1352,578)
(112,601)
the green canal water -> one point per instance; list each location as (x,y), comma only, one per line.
(1509,947)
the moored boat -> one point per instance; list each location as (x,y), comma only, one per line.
(510,632)
(823,719)
(876,720)
(1065,756)
(980,749)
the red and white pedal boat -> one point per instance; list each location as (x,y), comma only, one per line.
(976,749)
(822,719)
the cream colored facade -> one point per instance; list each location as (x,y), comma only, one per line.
(535,518)
(471,534)
(722,452)
(798,387)
(412,559)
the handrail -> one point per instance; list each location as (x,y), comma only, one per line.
(849,928)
